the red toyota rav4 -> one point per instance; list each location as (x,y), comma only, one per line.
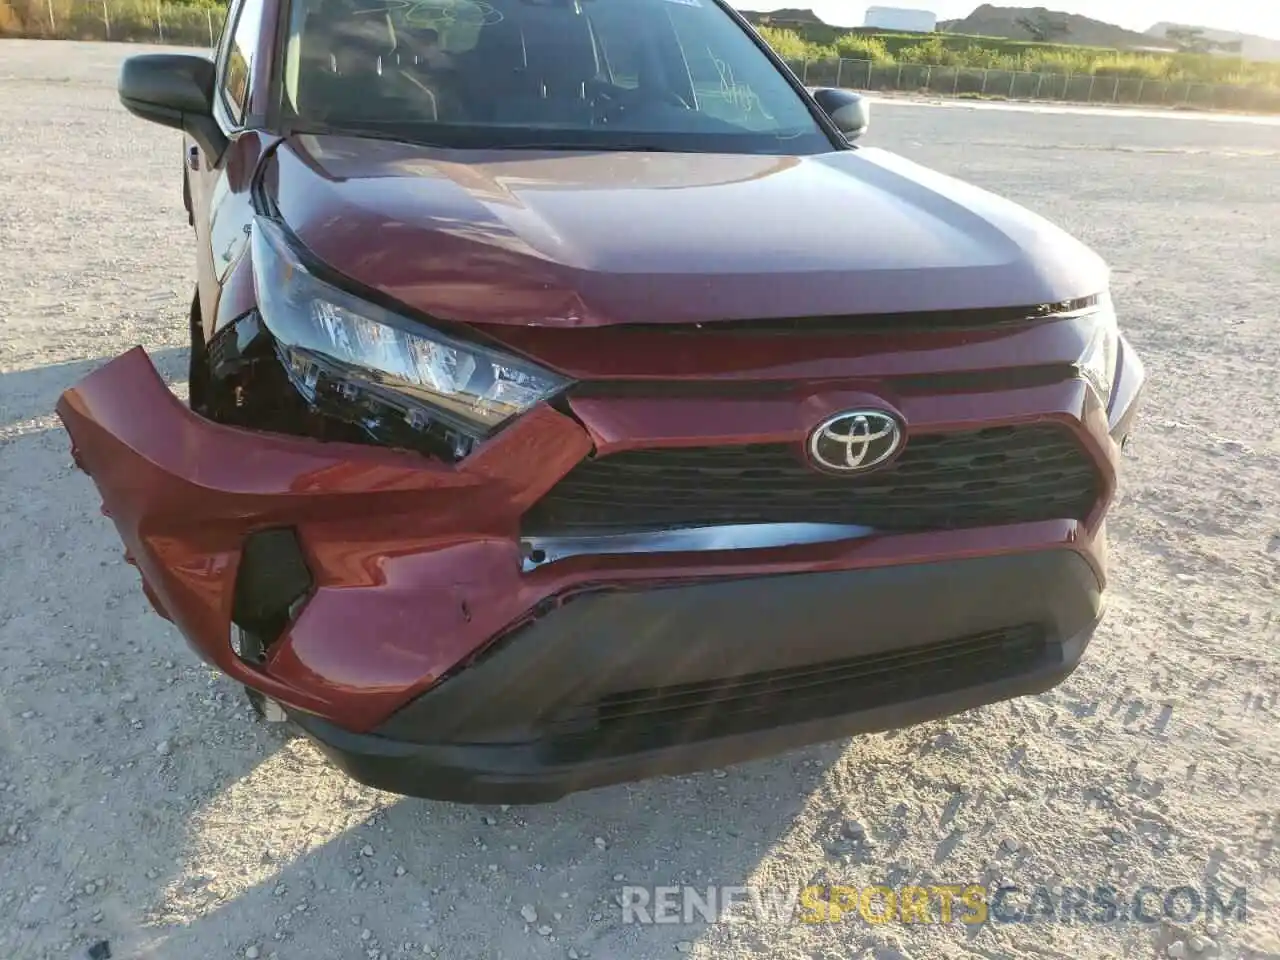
(572,402)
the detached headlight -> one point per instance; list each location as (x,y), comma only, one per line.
(1098,361)
(354,359)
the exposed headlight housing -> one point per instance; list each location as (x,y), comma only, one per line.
(356,360)
(1097,363)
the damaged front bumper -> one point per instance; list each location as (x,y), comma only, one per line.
(414,565)
(568,664)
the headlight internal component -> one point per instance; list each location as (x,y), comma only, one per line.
(392,376)
(1097,362)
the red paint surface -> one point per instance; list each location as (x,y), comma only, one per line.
(591,239)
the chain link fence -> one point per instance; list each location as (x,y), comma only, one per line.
(137,21)
(977,83)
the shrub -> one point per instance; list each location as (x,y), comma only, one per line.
(854,47)
(786,43)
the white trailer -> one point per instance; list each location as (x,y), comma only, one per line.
(899,18)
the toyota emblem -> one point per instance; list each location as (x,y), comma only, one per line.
(855,440)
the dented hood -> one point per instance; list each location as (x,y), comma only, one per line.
(594,238)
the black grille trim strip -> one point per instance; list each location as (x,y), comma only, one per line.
(959,381)
(921,322)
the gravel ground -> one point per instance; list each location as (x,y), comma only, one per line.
(141,804)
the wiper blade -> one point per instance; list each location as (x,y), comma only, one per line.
(362,132)
(373,131)
(584,147)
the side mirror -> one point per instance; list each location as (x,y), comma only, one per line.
(174,90)
(849,111)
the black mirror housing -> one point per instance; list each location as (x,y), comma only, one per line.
(174,90)
(849,111)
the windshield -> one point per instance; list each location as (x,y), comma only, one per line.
(619,74)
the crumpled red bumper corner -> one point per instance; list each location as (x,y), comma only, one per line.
(184,492)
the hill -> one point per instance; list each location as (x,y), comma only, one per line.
(1041,24)
(785,15)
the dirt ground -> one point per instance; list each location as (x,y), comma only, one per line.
(141,804)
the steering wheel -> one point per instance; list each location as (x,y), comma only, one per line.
(623,99)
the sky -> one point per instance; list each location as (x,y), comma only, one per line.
(1260,17)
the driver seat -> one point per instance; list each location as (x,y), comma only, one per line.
(562,54)
(561,63)
(344,58)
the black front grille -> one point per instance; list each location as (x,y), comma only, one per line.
(890,323)
(660,717)
(939,482)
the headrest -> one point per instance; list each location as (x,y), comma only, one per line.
(413,41)
(349,31)
(500,46)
